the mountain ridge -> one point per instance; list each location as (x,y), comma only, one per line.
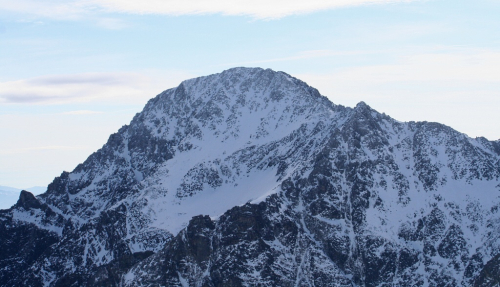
(284,178)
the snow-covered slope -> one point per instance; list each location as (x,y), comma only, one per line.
(192,149)
(296,191)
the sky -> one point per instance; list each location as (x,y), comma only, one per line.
(72,72)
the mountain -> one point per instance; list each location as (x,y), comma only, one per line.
(251,178)
(10,195)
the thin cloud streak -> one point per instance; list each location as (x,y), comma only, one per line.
(116,88)
(25,98)
(92,79)
(74,88)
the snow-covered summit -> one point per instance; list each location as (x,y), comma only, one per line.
(197,138)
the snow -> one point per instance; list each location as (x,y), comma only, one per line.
(173,214)
(129,277)
(35,217)
(184,282)
(257,123)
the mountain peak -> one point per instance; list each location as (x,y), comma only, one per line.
(239,81)
(27,201)
(292,189)
(362,105)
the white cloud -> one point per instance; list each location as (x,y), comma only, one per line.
(254,8)
(74,88)
(262,9)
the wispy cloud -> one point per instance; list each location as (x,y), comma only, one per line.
(91,79)
(266,9)
(75,88)
(113,88)
(261,9)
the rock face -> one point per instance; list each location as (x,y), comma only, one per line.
(251,178)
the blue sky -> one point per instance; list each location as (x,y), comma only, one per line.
(73,72)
